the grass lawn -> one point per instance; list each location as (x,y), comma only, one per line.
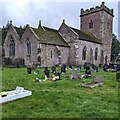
(60,99)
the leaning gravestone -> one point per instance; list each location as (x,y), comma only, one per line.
(118,76)
(98,79)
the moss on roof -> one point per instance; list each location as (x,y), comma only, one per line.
(19,31)
(87,36)
(50,36)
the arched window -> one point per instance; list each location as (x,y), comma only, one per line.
(84,53)
(91,55)
(51,53)
(96,53)
(102,57)
(12,47)
(108,24)
(28,46)
(90,24)
(106,57)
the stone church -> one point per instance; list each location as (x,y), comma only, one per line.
(46,46)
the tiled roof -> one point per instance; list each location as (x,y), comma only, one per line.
(87,36)
(50,36)
(20,31)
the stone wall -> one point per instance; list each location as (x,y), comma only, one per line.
(29,59)
(70,37)
(13,33)
(100,29)
(89,45)
(76,46)
(52,56)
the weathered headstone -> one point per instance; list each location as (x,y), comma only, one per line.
(75,74)
(98,79)
(78,68)
(63,69)
(54,69)
(70,67)
(29,70)
(58,74)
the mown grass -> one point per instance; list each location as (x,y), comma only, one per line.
(60,99)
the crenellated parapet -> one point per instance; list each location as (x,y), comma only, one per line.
(96,9)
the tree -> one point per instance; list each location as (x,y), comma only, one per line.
(115,47)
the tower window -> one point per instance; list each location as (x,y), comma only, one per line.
(108,24)
(90,24)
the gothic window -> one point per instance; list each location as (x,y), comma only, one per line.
(106,57)
(91,55)
(90,24)
(102,57)
(96,53)
(84,53)
(28,46)
(12,47)
(108,24)
(51,53)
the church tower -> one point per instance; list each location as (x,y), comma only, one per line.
(99,21)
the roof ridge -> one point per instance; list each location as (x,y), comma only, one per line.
(49,28)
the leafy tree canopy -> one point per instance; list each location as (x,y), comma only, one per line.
(115,47)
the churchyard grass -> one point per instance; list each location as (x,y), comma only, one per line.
(60,99)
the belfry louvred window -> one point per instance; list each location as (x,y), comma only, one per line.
(90,24)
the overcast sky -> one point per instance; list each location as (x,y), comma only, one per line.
(23,12)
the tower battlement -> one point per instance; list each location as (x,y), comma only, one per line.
(96,9)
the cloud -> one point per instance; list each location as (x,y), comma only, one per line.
(51,13)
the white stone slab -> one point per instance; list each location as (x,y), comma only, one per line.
(15,94)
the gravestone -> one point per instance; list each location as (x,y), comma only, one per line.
(100,66)
(74,74)
(118,76)
(63,69)
(70,67)
(19,90)
(54,69)
(78,68)
(46,72)
(58,74)
(28,70)
(98,79)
